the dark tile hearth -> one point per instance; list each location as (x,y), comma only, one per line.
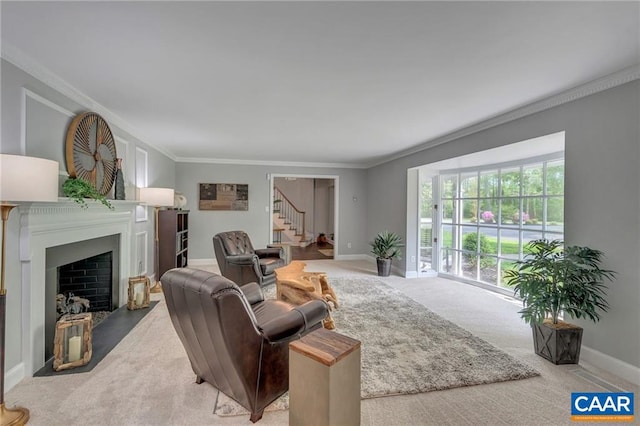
(106,335)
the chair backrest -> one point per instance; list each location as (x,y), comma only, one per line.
(235,242)
(232,243)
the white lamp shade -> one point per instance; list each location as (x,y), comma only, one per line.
(157,197)
(28,178)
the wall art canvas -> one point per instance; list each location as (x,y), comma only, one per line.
(223,196)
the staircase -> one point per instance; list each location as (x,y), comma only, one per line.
(289,223)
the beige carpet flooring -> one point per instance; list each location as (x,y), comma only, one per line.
(147,380)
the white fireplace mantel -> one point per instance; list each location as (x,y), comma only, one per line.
(45,225)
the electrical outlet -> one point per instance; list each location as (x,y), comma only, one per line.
(349,245)
(413,259)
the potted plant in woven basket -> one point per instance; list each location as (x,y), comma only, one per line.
(385,247)
(552,280)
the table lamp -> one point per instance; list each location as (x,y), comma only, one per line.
(22,179)
(156,197)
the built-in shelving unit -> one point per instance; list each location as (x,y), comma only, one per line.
(173,239)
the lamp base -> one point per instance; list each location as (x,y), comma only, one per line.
(157,288)
(13,416)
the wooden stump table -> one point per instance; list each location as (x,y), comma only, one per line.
(297,286)
(324,380)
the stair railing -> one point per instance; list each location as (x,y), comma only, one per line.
(293,217)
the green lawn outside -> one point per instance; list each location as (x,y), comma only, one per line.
(508,246)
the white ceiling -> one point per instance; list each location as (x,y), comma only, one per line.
(316,82)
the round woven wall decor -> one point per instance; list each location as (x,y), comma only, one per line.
(91,151)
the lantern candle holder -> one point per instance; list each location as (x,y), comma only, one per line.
(72,342)
(139,293)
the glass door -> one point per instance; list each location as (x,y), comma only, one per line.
(428,218)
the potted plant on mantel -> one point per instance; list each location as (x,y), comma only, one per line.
(78,189)
(551,280)
(385,247)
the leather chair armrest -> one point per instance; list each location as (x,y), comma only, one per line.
(269,252)
(242,259)
(295,322)
(252,292)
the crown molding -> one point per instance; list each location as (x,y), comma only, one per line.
(270,163)
(604,83)
(32,67)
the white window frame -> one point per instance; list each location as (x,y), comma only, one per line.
(458,224)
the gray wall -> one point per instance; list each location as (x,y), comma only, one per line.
(205,224)
(47,114)
(602,199)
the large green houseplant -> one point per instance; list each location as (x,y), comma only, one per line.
(552,280)
(385,247)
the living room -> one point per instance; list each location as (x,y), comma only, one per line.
(595,104)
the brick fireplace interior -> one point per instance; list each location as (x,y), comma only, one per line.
(88,269)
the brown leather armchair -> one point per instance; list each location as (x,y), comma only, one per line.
(241,263)
(235,340)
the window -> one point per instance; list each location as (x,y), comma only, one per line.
(489,214)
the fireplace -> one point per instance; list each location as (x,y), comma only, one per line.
(46,227)
(88,269)
(90,279)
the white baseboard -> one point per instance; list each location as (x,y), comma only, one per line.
(14,376)
(202,262)
(352,257)
(420,274)
(613,365)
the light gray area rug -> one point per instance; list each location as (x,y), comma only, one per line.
(406,348)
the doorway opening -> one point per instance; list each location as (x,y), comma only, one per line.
(304,215)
